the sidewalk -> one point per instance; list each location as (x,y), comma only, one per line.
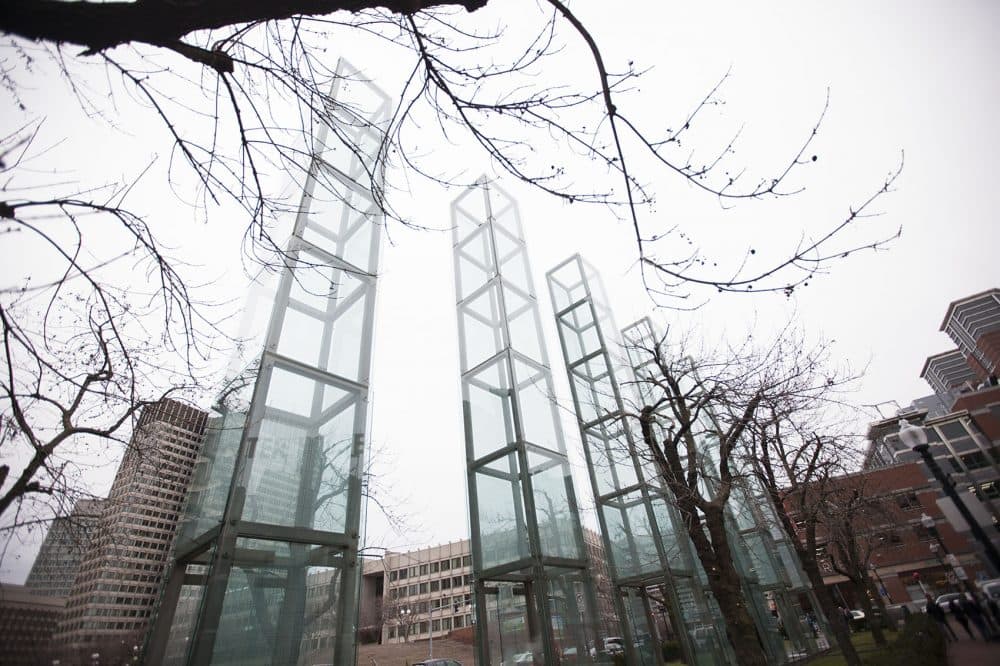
(973,653)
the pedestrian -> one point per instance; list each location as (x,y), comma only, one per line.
(956,612)
(974,612)
(937,614)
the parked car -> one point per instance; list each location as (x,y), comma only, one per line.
(438,662)
(520,658)
(991,588)
(857,619)
(944,601)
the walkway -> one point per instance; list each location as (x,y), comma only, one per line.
(973,653)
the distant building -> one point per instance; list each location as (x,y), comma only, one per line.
(111,600)
(27,621)
(410,595)
(899,495)
(59,558)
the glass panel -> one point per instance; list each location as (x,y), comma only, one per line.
(278,606)
(503,535)
(480,322)
(555,506)
(488,413)
(567,597)
(359,248)
(536,400)
(703,623)
(633,541)
(301,337)
(522,322)
(514,269)
(347,340)
(212,476)
(507,624)
(475,264)
(185,615)
(610,458)
(471,207)
(312,283)
(505,218)
(304,453)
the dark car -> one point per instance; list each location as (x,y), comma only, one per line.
(438,662)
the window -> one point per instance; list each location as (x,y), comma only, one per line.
(456,562)
(423,588)
(908,502)
(434,567)
(954,464)
(467,561)
(445,565)
(446,584)
(975,460)
(435,586)
(423,569)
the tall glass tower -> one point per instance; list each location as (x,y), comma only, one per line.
(650,555)
(532,587)
(266,563)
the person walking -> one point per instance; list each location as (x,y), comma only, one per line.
(974,612)
(956,612)
(937,614)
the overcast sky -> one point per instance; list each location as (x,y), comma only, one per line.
(902,75)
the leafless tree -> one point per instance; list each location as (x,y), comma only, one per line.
(240,90)
(696,412)
(397,612)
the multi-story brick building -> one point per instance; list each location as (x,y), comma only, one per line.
(110,603)
(898,497)
(58,560)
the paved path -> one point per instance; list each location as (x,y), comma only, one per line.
(973,653)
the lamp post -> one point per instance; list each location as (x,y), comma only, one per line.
(881,584)
(948,558)
(915,437)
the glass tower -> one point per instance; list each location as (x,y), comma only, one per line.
(266,562)
(652,563)
(532,587)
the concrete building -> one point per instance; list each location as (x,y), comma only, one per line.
(27,621)
(414,594)
(110,603)
(58,560)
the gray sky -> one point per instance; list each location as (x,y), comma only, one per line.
(902,75)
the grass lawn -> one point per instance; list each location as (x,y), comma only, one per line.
(863,643)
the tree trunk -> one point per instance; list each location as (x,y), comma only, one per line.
(724,581)
(863,588)
(836,619)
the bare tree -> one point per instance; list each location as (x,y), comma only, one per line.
(696,414)
(398,613)
(240,90)
(797,472)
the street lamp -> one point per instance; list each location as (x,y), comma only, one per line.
(915,437)
(939,547)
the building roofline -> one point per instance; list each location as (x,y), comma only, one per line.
(956,303)
(923,370)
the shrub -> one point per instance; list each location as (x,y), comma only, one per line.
(671,651)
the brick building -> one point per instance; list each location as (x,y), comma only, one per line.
(901,545)
(27,621)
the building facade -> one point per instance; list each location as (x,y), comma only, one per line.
(413,595)
(906,560)
(58,560)
(119,577)
(27,622)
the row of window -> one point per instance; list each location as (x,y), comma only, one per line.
(430,587)
(430,568)
(443,624)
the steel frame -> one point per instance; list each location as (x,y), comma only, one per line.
(322,529)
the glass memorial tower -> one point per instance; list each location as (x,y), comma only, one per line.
(532,587)
(652,560)
(650,556)
(266,567)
